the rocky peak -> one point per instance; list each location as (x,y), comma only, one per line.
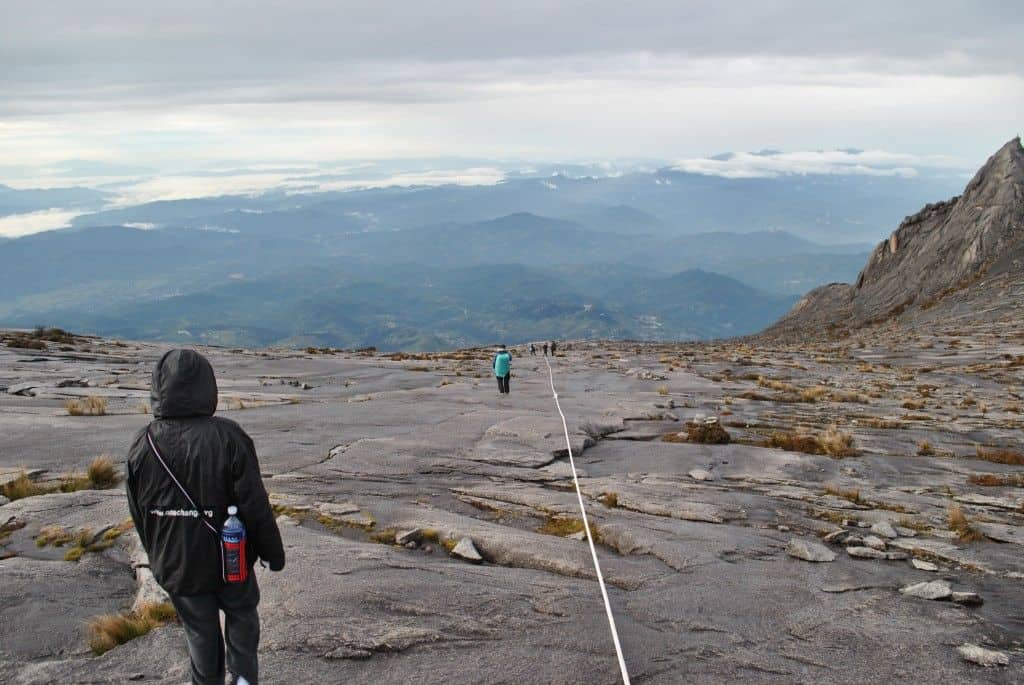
(942,249)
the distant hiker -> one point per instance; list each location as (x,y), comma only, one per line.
(545,349)
(552,348)
(184,470)
(503,369)
(533,350)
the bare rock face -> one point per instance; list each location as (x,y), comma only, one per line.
(968,247)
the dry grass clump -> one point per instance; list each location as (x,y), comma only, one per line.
(834,442)
(913,404)
(37,339)
(662,390)
(961,525)
(837,443)
(101,476)
(22,487)
(925,449)
(1001,455)
(997,479)
(813,394)
(57,536)
(609,499)
(90,406)
(852,495)
(703,433)
(850,396)
(81,541)
(102,473)
(561,526)
(777,385)
(110,630)
(795,442)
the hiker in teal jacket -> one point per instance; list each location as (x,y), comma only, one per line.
(503,369)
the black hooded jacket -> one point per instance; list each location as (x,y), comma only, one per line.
(216,462)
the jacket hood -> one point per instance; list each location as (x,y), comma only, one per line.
(183,385)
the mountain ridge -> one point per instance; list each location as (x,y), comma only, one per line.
(941,259)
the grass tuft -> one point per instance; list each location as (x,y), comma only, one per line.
(834,442)
(561,526)
(22,487)
(813,394)
(102,473)
(852,495)
(837,443)
(1000,455)
(961,525)
(925,449)
(997,479)
(90,406)
(110,630)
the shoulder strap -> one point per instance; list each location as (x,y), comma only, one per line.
(156,453)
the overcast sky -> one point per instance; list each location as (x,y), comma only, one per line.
(188,81)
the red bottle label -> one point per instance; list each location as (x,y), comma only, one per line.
(236,570)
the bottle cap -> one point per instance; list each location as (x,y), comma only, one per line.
(232,510)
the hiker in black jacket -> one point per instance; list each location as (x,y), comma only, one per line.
(215,462)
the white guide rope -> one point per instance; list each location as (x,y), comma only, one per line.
(590,538)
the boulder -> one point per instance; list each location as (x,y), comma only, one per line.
(467,551)
(972,599)
(404,537)
(874,542)
(922,565)
(149,591)
(23,389)
(983,657)
(809,551)
(936,589)
(865,553)
(884,529)
(836,536)
(701,474)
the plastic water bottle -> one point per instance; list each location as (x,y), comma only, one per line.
(232,540)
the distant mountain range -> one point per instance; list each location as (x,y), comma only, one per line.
(17,201)
(642,255)
(827,208)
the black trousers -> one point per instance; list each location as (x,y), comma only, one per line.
(503,383)
(200,616)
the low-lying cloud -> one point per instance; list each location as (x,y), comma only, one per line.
(772,164)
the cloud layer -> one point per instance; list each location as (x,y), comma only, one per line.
(150,81)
